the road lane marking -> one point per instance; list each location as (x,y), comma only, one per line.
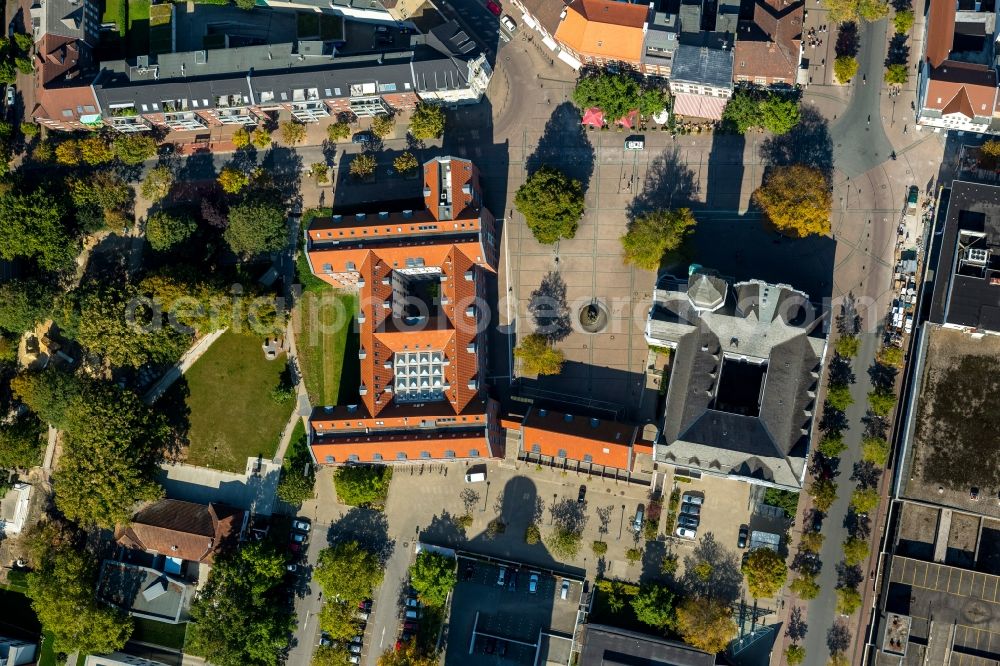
(381,640)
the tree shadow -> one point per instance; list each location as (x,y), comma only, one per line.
(669,184)
(838,638)
(866,474)
(564,144)
(569,514)
(284,166)
(809,143)
(652,560)
(548,307)
(443,530)
(200,165)
(848,42)
(899,50)
(849,576)
(370,528)
(712,571)
(173,405)
(882,376)
(857,525)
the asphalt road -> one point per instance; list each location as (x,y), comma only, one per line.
(859,139)
(308,605)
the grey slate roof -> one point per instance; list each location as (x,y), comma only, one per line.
(705,59)
(759,322)
(430,64)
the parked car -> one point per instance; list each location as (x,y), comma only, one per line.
(409,625)
(491,645)
(502,576)
(291,568)
(494,8)
(354,659)
(508,23)
(468,572)
(298,537)
(11,91)
(295,547)
(301,524)
(974,494)
(688,498)
(412,614)
(581,497)
(533,582)
(687,521)
(363,137)
(355,649)
(381,28)
(365,605)
(324,639)
(361,615)
(512,580)
(502,648)
(637,521)
(741,540)
(564,590)
(686,533)
(475,477)
(412,602)
(691,509)
(635,143)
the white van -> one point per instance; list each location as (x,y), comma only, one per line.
(475,477)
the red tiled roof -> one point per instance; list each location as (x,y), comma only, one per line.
(456,444)
(184,530)
(960,87)
(771,45)
(940,31)
(608,443)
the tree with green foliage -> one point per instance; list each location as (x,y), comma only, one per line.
(795,655)
(823,492)
(30,130)
(33,226)
(347,572)
(240,617)
(875,450)
(23,65)
(298,479)
(855,551)
(113,322)
(654,605)
(552,204)
(903,21)
(563,542)
(848,600)
(61,590)
(113,444)
(831,446)
(318,171)
(362,485)
(786,500)
(165,229)
(338,131)
(292,132)
(796,199)
(751,108)
(331,655)
(706,624)
(339,621)
(157,183)
(812,542)
(246,5)
(20,442)
(897,74)
(537,356)
(405,163)
(382,125)
(651,101)
(873,10)
(765,571)
(865,500)
(25,303)
(847,346)
(427,122)
(256,227)
(363,165)
(23,41)
(839,397)
(134,147)
(48,393)
(891,356)
(232,179)
(433,576)
(805,587)
(616,94)
(881,401)
(8,73)
(599,548)
(779,114)
(652,235)
(845,68)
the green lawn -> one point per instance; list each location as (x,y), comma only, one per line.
(232,414)
(327,344)
(159,633)
(160,29)
(48,655)
(111,9)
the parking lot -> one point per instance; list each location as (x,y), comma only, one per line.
(726,504)
(494,623)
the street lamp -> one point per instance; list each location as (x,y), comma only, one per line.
(486,501)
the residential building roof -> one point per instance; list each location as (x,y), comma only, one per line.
(74,19)
(605,29)
(119,659)
(705,59)
(967,288)
(611,646)
(743,380)
(727,16)
(60,58)
(563,435)
(145,592)
(548,13)
(965,88)
(183,530)
(940,31)
(770,46)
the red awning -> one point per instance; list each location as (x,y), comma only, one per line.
(593,117)
(630,120)
(699,106)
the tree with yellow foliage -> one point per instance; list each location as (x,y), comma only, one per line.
(407,655)
(233,180)
(706,624)
(796,199)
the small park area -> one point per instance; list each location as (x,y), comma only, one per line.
(232,412)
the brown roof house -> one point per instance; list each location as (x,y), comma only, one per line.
(959,96)
(769,49)
(183,530)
